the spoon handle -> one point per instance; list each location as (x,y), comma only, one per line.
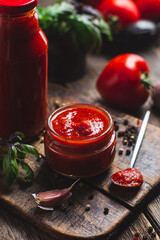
(139,138)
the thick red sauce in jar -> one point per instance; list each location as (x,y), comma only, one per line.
(80,140)
(23,71)
(129,177)
(79,123)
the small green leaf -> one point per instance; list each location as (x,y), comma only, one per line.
(16,136)
(29,172)
(10,166)
(20,155)
(14,151)
(27,149)
(20,134)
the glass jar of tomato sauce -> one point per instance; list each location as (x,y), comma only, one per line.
(80,140)
(23,69)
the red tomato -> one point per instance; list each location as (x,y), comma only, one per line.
(126,11)
(124,82)
(149,9)
(93,3)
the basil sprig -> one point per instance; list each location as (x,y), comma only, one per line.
(84,24)
(15,156)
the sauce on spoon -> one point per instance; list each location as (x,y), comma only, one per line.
(131,177)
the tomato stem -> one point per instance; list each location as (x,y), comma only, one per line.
(146,80)
(114,22)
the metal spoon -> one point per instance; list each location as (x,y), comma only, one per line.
(131,172)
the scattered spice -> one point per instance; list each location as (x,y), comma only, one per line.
(130,143)
(115,123)
(57,104)
(116,128)
(42,139)
(87,208)
(125,122)
(125,142)
(120,134)
(150,230)
(128,135)
(106,211)
(128,152)
(153,235)
(120,151)
(132,137)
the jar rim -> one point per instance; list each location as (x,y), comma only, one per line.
(82,141)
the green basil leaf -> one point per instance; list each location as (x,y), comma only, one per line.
(10,166)
(20,155)
(29,172)
(20,134)
(16,135)
(14,151)
(27,149)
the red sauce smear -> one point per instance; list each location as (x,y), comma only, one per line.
(129,177)
(80,123)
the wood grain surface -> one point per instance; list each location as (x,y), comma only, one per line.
(141,229)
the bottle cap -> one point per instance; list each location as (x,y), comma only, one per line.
(16,6)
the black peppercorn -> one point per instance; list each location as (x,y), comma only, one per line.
(128,152)
(153,235)
(116,128)
(150,230)
(120,134)
(106,210)
(130,143)
(115,122)
(134,129)
(125,122)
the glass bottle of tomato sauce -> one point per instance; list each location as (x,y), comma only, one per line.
(23,69)
(80,140)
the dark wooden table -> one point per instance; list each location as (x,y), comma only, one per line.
(146,222)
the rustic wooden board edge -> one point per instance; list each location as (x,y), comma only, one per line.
(61,236)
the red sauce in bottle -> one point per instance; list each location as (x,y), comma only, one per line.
(80,140)
(23,69)
(129,177)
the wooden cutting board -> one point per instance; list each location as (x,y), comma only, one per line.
(73,221)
